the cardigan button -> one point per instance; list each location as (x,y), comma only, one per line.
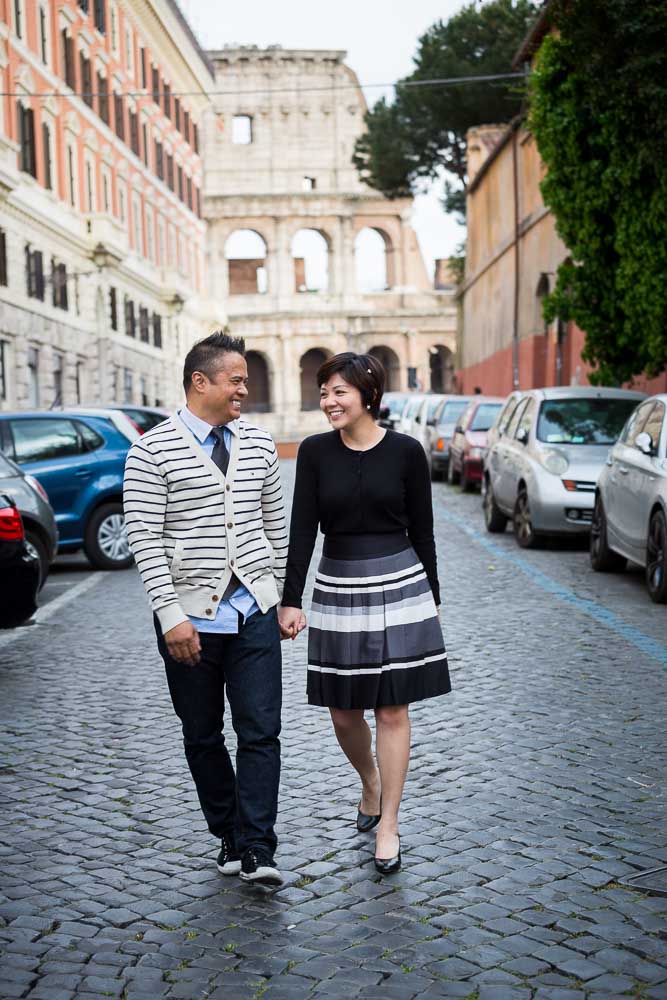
(230,524)
(228,487)
(209,611)
(231,562)
(215,598)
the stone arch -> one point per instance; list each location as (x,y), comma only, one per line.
(259,383)
(441,364)
(308,365)
(310,253)
(392,366)
(373,260)
(245,252)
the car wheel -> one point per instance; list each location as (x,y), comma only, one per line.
(656,558)
(106,543)
(36,547)
(522,520)
(452,475)
(494,518)
(603,559)
(436,474)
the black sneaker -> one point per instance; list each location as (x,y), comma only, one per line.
(257,866)
(229,860)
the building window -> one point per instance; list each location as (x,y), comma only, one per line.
(46,152)
(177,113)
(155,84)
(129,51)
(134,132)
(166,93)
(34,272)
(159,160)
(113,308)
(157,330)
(144,135)
(58,370)
(170,171)
(86,79)
(241,130)
(18,17)
(99,16)
(186,126)
(144,67)
(71,176)
(69,71)
(122,206)
(119,116)
(3,369)
(106,191)
(198,197)
(114,29)
(33,377)
(90,187)
(143,386)
(26,123)
(43,34)
(137,227)
(188,187)
(130,318)
(59,285)
(180,183)
(308,184)
(80,370)
(127,385)
(3,257)
(84,5)
(144,335)
(103,98)
(195,136)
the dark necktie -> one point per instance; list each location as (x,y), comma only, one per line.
(220,455)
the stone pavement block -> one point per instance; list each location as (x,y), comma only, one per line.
(504,993)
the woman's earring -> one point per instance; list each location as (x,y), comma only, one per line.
(368,407)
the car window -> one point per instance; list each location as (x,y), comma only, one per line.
(451,412)
(584,420)
(432,406)
(653,425)
(91,439)
(485,414)
(635,424)
(526,418)
(36,440)
(396,405)
(516,416)
(506,414)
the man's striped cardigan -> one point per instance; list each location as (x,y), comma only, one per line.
(190,527)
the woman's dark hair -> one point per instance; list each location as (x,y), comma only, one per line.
(363,371)
(206,355)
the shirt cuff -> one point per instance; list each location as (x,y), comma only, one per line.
(171,616)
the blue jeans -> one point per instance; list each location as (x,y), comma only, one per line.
(242,805)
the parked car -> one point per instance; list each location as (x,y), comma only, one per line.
(415,399)
(391,409)
(630,512)
(501,422)
(39,523)
(79,460)
(128,427)
(468,445)
(542,472)
(19,568)
(145,417)
(423,420)
(445,421)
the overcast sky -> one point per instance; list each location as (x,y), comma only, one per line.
(380,38)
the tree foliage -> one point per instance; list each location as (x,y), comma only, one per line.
(599,115)
(424,129)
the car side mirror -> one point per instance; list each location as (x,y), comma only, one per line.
(522,436)
(431,422)
(644,443)
(458,429)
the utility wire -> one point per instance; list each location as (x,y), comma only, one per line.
(157,95)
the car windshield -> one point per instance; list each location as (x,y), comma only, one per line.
(143,420)
(433,405)
(396,405)
(452,411)
(583,421)
(485,415)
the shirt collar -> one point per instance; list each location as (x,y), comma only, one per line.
(200,428)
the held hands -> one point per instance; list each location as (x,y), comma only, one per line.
(183,643)
(291,621)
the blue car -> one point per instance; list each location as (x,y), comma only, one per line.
(79,461)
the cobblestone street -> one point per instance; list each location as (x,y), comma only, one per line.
(534,787)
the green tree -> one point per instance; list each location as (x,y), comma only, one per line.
(598,111)
(423,130)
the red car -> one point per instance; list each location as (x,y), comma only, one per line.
(466,452)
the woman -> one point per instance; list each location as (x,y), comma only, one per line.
(375,640)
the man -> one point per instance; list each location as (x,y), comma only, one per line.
(206,523)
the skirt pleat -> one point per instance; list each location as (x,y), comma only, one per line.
(374,634)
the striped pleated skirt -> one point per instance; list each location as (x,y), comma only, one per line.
(374,634)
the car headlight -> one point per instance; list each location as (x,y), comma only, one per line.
(555,462)
(475,453)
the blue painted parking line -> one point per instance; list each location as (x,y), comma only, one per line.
(656,650)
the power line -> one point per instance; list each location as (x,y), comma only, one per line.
(157,95)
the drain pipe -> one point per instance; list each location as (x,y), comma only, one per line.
(515,327)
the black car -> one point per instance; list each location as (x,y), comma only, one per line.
(19,568)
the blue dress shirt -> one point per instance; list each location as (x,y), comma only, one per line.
(241,602)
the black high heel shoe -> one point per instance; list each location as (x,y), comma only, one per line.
(365,822)
(387,866)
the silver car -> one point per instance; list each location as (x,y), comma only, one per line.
(543,471)
(445,421)
(630,514)
(424,420)
(41,533)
